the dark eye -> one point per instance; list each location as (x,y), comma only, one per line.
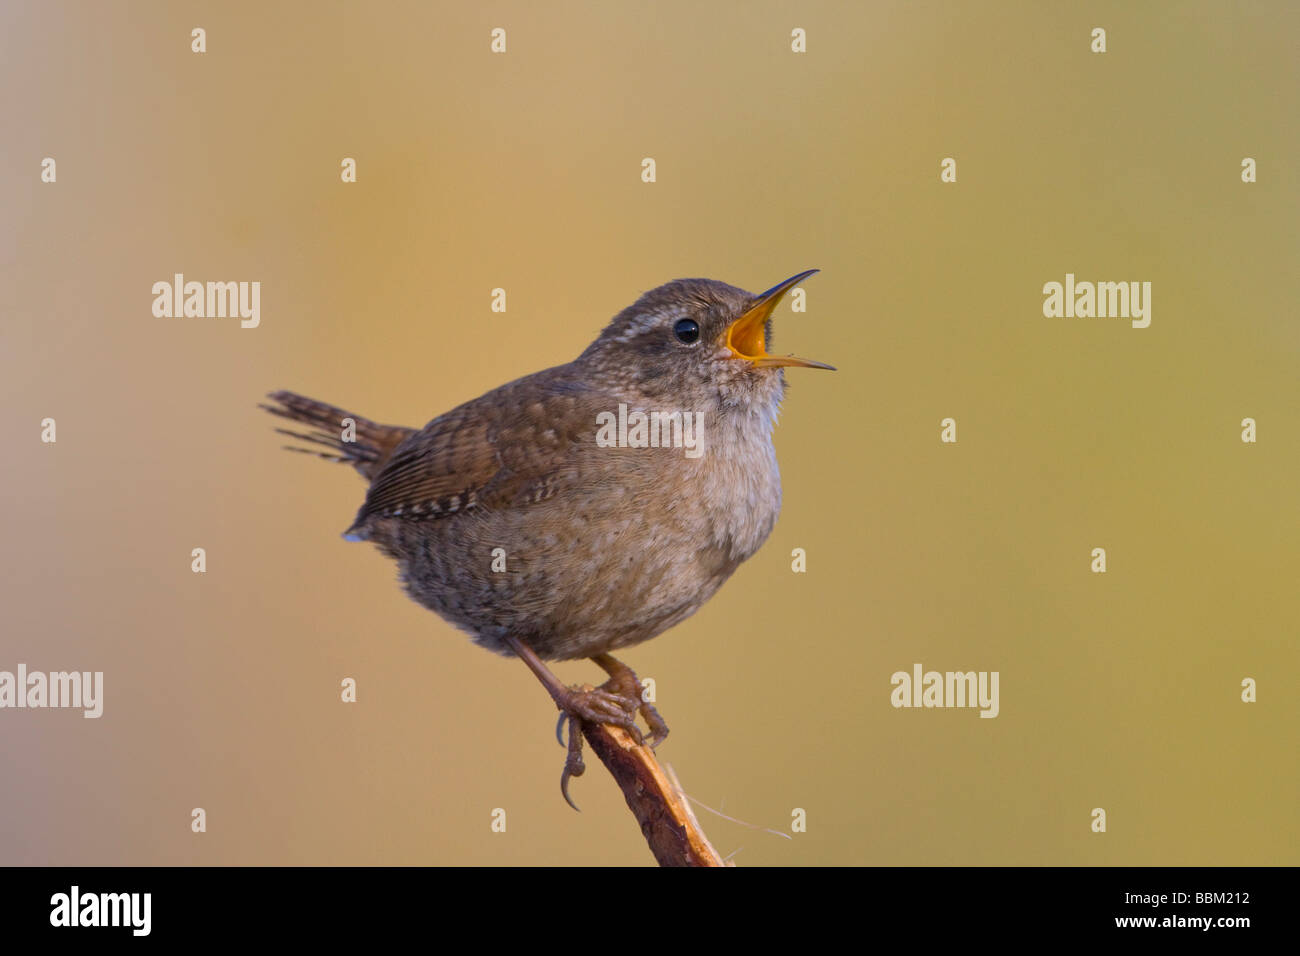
(687,330)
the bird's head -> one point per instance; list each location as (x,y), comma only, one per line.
(697,340)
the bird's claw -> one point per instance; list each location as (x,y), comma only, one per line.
(658,728)
(624,682)
(573,765)
(615,702)
(598,706)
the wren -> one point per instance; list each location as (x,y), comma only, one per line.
(531,521)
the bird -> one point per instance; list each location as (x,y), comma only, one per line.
(588,507)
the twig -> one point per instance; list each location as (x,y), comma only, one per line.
(667,823)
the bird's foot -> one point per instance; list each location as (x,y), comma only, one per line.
(624,682)
(597,705)
(616,702)
(600,705)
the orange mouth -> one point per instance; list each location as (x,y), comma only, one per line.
(747,335)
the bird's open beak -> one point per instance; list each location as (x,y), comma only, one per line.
(747,335)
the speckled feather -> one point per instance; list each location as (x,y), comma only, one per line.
(604,547)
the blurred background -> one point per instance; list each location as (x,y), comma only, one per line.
(523,171)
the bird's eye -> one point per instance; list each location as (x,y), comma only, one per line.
(687,330)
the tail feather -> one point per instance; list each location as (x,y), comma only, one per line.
(320,438)
(373,445)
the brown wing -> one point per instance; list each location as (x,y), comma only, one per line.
(513,446)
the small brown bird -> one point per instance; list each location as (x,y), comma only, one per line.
(590,506)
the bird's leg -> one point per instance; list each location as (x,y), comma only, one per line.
(624,682)
(597,705)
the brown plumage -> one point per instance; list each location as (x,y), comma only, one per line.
(511,518)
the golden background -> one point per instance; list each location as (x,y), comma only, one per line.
(522,171)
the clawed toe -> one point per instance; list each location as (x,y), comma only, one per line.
(658,728)
(617,703)
(600,706)
(597,706)
(573,765)
(623,681)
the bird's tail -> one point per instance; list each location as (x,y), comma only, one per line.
(354,440)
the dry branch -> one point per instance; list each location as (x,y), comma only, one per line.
(667,823)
